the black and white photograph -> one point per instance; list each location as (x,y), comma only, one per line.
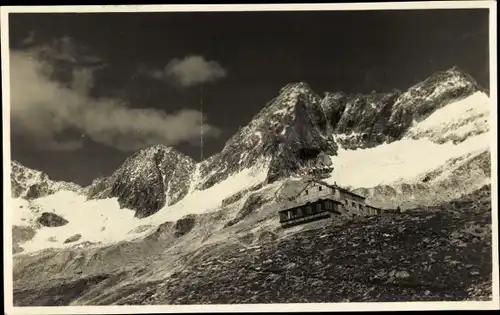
(250,156)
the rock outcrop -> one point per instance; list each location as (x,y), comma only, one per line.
(259,141)
(148,180)
(32,184)
(21,234)
(184,225)
(49,219)
(359,120)
(303,144)
(73,238)
(367,120)
(422,99)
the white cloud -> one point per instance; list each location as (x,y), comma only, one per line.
(44,110)
(194,70)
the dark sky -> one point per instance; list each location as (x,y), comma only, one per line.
(357,51)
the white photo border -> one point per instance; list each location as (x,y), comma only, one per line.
(295,307)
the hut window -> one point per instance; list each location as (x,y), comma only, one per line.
(320,188)
(306,192)
(282,216)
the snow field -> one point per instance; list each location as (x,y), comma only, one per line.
(103,221)
(406,159)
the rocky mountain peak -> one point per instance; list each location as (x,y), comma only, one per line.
(338,118)
(259,141)
(333,95)
(304,144)
(143,161)
(153,149)
(148,180)
(458,72)
(438,90)
(289,96)
(28,183)
(296,87)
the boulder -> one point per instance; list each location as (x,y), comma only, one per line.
(73,238)
(184,225)
(49,219)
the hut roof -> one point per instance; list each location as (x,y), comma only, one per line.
(337,187)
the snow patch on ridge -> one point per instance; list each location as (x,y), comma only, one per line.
(210,199)
(195,178)
(455,121)
(96,220)
(428,145)
(398,161)
(102,221)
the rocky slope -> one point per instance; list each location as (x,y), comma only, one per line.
(360,120)
(429,254)
(148,180)
(460,176)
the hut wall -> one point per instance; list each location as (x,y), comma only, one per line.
(316,190)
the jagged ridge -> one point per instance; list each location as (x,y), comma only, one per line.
(31,184)
(351,121)
(294,131)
